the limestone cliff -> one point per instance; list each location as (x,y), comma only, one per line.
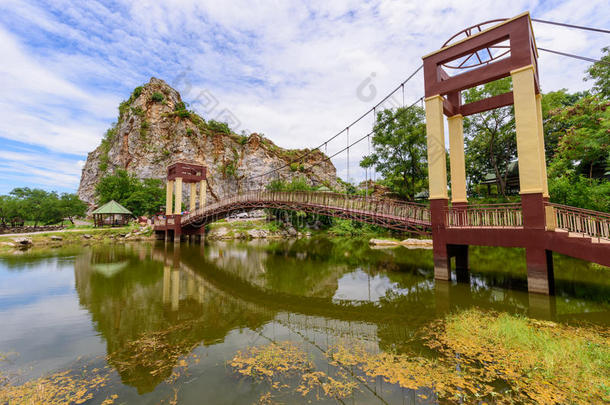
(155,129)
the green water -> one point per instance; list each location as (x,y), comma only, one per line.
(77,307)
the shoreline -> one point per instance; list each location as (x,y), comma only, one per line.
(251,229)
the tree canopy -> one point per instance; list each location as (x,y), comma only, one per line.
(141,197)
(40,206)
(399,150)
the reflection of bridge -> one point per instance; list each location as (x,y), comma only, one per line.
(534,224)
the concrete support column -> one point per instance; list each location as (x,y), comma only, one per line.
(528,131)
(437,176)
(193,196)
(169,197)
(460,252)
(178,208)
(545,185)
(435,134)
(540,274)
(532,180)
(456,159)
(202,193)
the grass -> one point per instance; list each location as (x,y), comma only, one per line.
(44,239)
(543,362)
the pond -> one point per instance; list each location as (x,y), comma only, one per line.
(310,320)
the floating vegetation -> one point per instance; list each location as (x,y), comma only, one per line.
(543,362)
(65,387)
(272,362)
(283,362)
(478,357)
(157,356)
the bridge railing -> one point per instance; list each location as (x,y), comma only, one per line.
(365,205)
(485,215)
(588,223)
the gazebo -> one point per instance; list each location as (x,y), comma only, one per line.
(112,213)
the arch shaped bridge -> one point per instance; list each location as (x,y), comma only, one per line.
(387,213)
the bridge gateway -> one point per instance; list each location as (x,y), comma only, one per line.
(534,224)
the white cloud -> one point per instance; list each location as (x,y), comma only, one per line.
(287,69)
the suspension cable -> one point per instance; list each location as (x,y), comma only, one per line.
(348,154)
(355,142)
(343,130)
(580,27)
(571,55)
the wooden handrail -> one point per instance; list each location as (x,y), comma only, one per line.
(352,203)
(488,215)
(587,223)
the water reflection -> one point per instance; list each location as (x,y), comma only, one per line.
(155,305)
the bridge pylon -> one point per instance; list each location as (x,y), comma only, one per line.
(443,97)
(179,173)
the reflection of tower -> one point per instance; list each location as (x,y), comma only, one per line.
(171,277)
(166,284)
(541,306)
(175,290)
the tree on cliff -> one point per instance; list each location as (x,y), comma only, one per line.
(141,197)
(399,150)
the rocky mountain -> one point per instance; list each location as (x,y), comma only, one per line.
(155,129)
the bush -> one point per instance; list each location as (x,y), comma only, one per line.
(137,92)
(221,127)
(578,191)
(123,107)
(157,97)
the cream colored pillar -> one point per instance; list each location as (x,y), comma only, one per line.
(178,207)
(457,164)
(166,284)
(545,185)
(193,197)
(435,134)
(526,120)
(169,197)
(203,188)
(175,289)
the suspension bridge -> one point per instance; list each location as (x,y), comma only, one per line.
(477,55)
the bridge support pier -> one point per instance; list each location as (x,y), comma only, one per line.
(460,252)
(540,277)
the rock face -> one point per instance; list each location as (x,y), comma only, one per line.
(154,130)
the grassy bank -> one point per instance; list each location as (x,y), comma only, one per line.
(74,236)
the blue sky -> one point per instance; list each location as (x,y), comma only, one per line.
(290,70)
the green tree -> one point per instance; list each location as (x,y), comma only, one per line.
(71,206)
(141,197)
(599,72)
(552,103)
(584,145)
(37,205)
(9,209)
(399,150)
(490,138)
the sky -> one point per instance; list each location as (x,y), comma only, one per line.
(298,72)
